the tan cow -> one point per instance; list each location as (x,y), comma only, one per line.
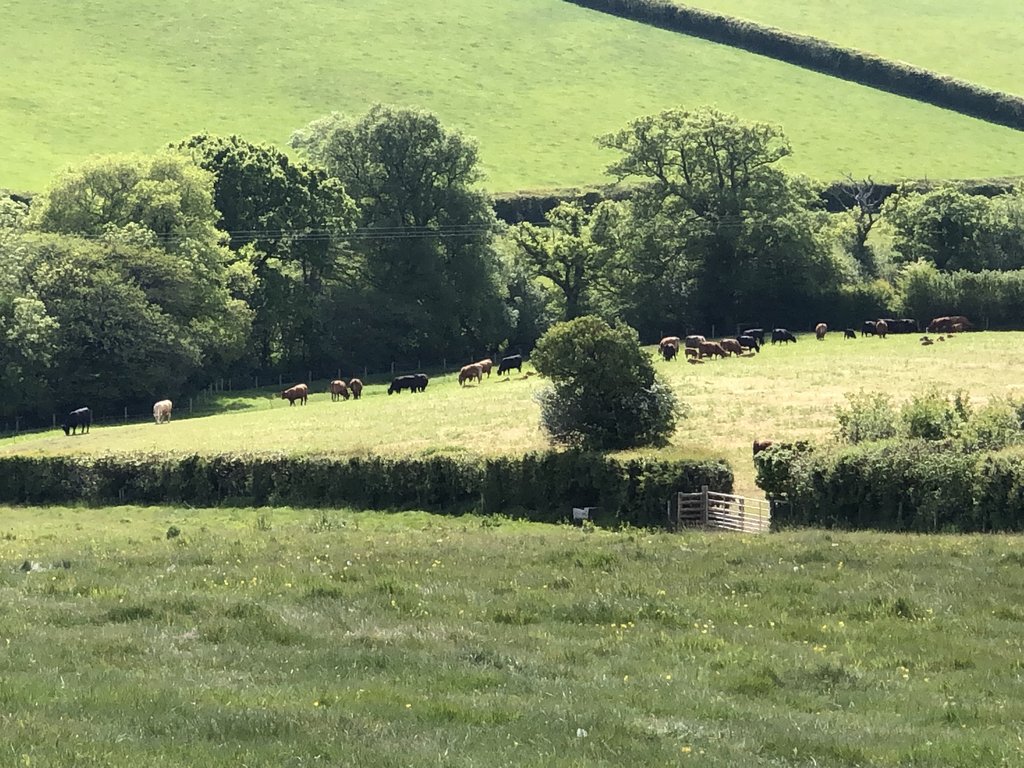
(485,365)
(711,349)
(470,372)
(355,386)
(339,390)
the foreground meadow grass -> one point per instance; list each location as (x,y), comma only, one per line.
(785,393)
(534,81)
(300,637)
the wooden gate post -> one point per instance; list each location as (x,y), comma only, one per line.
(704,505)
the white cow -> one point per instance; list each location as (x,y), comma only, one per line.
(162,411)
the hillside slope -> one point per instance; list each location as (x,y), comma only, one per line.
(534,81)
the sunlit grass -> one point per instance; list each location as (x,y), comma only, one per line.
(535,81)
(282,636)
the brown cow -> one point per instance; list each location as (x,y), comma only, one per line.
(339,390)
(485,365)
(711,349)
(732,346)
(691,352)
(299,392)
(820,330)
(356,388)
(881,328)
(945,324)
(694,341)
(760,445)
(470,372)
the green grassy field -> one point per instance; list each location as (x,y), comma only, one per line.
(786,392)
(298,637)
(978,41)
(534,81)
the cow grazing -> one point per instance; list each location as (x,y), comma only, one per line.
(945,324)
(485,365)
(694,342)
(339,390)
(711,349)
(820,330)
(470,372)
(669,351)
(299,392)
(79,419)
(760,445)
(849,333)
(162,411)
(402,382)
(757,333)
(881,328)
(782,336)
(732,346)
(510,362)
(867,328)
(749,342)
(420,382)
(355,386)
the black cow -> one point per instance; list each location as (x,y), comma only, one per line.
(421,382)
(867,328)
(903,325)
(849,333)
(757,333)
(403,382)
(80,418)
(669,351)
(749,342)
(781,335)
(510,362)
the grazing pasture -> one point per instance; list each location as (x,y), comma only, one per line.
(785,392)
(978,41)
(172,637)
(535,81)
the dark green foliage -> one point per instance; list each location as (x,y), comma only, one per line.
(990,298)
(868,416)
(822,56)
(542,487)
(604,391)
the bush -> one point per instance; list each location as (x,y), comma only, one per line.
(868,416)
(604,392)
(933,415)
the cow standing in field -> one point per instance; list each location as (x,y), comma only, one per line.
(693,342)
(711,349)
(849,333)
(485,366)
(339,390)
(782,336)
(761,445)
(469,373)
(820,330)
(299,392)
(510,362)
(732,346)
(355,386)
(867,328)
(749,342)
(881,328)
(162,411)
(757,333)
(945,324)
(78,419)
(420,382)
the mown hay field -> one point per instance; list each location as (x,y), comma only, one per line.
(307,637)
(535,81)
(979,41)
(787,392)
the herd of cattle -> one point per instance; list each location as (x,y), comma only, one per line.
(750,341)
(79,420)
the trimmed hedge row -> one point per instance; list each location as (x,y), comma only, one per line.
(898,485)
(540,486)
(822,56)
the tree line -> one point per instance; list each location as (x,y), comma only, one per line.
(138,277)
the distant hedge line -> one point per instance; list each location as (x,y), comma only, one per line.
(822,56)
(541,486)
(899,485)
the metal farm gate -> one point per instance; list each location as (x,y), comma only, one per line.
(710,509)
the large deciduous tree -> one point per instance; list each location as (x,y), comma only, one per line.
(289,223)
(425,241)
(716,221)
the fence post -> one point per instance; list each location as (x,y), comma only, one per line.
(54,417)
(190,406)
(339,373)
(444,365)
(704,505)
(17,424)
(126,414)
(309,376)
(392,367)
(366,372)
(229,385)
(256,380)
(279,381)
